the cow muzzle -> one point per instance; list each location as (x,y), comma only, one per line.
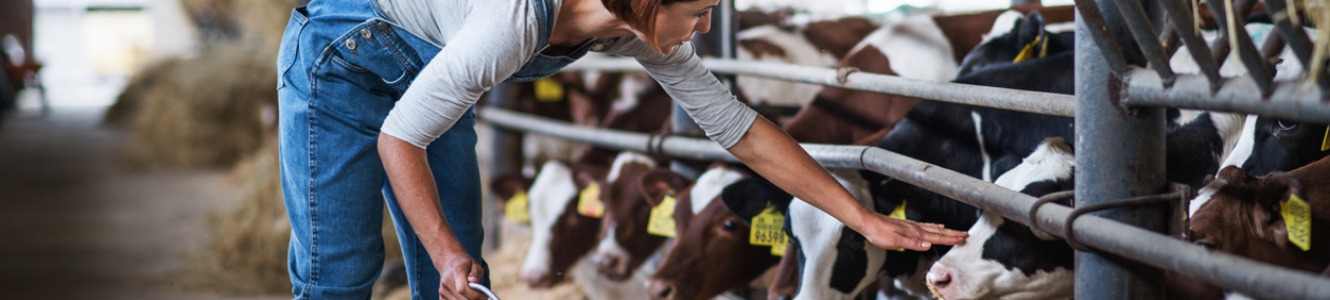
(612,266)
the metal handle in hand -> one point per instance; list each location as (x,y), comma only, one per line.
(483,290)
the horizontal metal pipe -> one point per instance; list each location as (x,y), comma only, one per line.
(1232,272)
(1294,100)
(1026,101)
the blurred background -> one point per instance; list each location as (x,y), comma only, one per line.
(137,147)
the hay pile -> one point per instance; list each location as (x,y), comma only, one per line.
(207,111)
(248,252)
(212,109)
(506,269)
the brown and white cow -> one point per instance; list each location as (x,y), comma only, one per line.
(820,43)
(924,48)
(625,244)
(711,253)
(1257,217)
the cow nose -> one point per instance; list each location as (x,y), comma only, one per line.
(610,265)
(660,290)
(939,278)
(538,279)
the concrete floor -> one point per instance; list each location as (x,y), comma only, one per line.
(75,224)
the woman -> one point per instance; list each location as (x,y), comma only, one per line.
(375,91)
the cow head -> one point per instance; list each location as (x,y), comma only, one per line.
(626,243)
(1268,145)
(1004,259)
(711,253)
(559,235)
(1026,40)
(1244,217)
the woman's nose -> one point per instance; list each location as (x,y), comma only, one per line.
(704,25)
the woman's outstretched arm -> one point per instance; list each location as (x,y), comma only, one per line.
(774,155)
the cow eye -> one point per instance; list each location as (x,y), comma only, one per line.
(1285,125)
(1206,245)
(729,225)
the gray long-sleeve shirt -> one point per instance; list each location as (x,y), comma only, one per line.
(486,41)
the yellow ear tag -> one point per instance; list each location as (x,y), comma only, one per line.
(1298,219)
(516,208)
(548,90)
(766,229)
(779,248)
(661,221)
(1325,142)
(899,213)
(1027,52)
(588,202)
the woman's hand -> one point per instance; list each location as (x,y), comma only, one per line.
(889,233)
(456,271)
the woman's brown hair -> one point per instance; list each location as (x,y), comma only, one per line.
(640,15)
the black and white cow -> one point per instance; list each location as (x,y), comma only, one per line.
(1004,259)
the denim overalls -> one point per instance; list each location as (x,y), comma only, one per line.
(341,67)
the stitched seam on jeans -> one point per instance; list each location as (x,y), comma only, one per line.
(313,224)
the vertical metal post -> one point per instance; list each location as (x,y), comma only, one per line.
(1119,155)
(506,158)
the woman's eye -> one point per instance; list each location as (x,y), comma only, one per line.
(700,14)
(1285,125)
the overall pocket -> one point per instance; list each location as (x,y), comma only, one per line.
(374,48)
(290,46)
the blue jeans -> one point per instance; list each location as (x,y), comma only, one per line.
(341,67)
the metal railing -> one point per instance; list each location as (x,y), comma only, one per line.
(1026,101)
(1119,123)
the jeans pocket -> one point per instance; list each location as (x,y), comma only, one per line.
(374,48)
(287,52)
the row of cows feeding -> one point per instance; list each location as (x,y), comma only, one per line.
(627,227)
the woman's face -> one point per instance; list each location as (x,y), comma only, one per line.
(675,23)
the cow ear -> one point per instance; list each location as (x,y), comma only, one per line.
(584,175)
(1273,191)
(748,197)
(506,185)
(1030,27)
(660,182)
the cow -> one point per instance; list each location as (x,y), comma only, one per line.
(819,44)
(925,48)
(560,236)
(711,253)
(1004,259)
(1257,217)
(626,244)
(952,150)
(820,240)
